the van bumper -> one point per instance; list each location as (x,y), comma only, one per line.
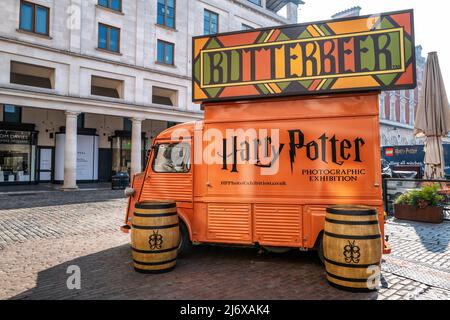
(125,228)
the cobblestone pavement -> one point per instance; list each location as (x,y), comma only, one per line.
(41,235)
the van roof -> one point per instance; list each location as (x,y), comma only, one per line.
(179,131)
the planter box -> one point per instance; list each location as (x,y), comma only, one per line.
(428,214)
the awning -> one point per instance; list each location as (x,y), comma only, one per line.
(276,5)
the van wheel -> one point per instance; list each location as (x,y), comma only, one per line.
(185,242)
(320,249)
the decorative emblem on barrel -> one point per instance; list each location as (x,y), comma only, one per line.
(352,252)
(155,240)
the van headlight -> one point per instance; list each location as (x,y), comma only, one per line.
(129,192)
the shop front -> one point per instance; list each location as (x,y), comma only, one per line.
(18,145)
(87,156)
(121,151)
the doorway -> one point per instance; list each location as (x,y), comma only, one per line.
(45,164)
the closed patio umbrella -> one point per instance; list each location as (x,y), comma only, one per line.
(433,117)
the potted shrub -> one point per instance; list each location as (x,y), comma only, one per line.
(420,205)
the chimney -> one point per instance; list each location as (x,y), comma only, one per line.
(292,12)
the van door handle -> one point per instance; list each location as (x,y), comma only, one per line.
(377,185)
(208,184)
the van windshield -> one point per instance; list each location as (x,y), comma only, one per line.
(172,157)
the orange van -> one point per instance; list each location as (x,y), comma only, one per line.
(262,172)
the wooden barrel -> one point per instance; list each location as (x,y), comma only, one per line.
(352,247)
(155,236)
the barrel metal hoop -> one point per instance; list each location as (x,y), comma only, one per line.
(146,271)
(353,223)
(154,251)
(346,279)
(368,212)
(355,266)
(154,263)
(157,215)
(342,236)
(150,205)
(155,227)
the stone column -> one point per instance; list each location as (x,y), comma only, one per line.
(412,105)
(70,152)
(136,146)
(381,105)
(392,105)
(402,106)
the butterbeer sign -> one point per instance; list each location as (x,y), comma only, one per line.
(354,54)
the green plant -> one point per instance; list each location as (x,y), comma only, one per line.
(421,198)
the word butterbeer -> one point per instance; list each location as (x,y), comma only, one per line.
(374,52)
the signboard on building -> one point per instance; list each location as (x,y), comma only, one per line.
(15,137)
(412,155)
(403,155)
(345,55)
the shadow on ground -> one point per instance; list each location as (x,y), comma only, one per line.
(209,272)
(45,199)
(435,237)
(435,246)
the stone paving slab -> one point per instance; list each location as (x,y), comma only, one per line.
(50,187)
(418,253)
(40,237)
(434,294)
(429,233)
(425,244)
(19,225)
(56,198)
(209,273)
(417,272)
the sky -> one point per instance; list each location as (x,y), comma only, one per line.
(431,19)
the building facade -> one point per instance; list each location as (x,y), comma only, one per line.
(397,108)
(398,111)
(85,85)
